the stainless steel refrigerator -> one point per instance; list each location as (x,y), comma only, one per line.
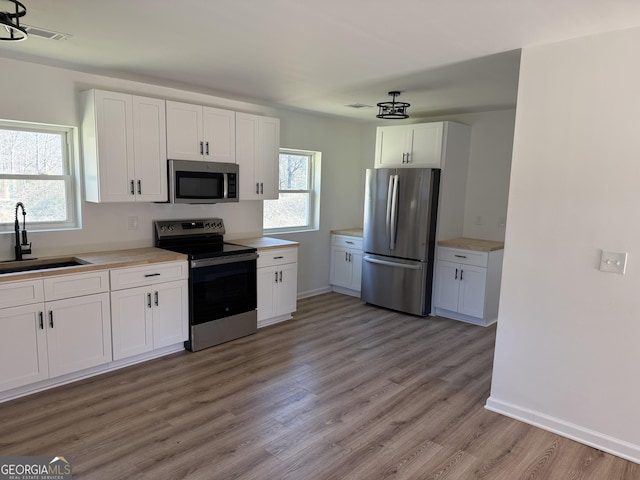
(399,236)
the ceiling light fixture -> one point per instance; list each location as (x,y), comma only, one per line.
(393,109)
(10,29)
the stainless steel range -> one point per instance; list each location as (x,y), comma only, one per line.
(222,280)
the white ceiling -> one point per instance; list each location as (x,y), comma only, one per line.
(446,56)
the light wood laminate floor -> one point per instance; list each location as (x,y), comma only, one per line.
(342,391)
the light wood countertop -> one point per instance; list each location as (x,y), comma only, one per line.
(352,232)
(91,262)
(264,243)
(472,244)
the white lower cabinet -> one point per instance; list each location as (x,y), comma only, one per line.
(151,316)
(58,330)
(78,333)
(346,264)
(66,327)
(467,285)
(23,346)
(277,277)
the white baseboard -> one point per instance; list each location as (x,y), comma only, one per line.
(580,434)
(314,292)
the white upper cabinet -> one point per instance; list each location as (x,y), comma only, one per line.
(201,133)
(257,153)
(124,147)
(418,146)
(149,149)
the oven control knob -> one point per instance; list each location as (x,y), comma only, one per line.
(163,228)
(171,228)
(206,225)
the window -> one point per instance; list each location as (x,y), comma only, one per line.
(297,206)
(37,168)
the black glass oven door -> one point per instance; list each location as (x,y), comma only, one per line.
(219,291)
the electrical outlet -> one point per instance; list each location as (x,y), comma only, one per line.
(132,223)
(614,262)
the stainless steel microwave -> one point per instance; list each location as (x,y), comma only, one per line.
(202,182)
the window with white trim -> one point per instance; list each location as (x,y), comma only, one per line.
(38,168)
(297,207)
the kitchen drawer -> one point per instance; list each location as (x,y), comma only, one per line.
(148,274)
(465,257)
(347,241)
(76,285)
(13,294)
(277,256)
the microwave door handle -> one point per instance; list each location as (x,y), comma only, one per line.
(226,186)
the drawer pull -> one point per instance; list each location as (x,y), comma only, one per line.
(151,275)
(277,258)
(350,243)
(460,256)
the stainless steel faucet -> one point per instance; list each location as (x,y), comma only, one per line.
(23,247)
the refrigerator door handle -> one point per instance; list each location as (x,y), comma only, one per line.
(393,264)
(394,214)
(388,216)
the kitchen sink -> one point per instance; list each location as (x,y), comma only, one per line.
(35,264)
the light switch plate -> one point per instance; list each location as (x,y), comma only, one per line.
(614,262)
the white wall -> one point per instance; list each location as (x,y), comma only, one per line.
(489,170)
(44,94)
(567,346)
(342,188)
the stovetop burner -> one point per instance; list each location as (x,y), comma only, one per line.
(201,238)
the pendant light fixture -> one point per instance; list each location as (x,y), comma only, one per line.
(10,29)
(393,109)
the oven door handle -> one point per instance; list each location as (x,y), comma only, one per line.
(208,262)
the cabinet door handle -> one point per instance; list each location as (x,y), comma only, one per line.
(149,300)
(257,188)
(346,257)
(280,275)
(261,188)
(276,277)
(156,298)
(207,150)
(51,318)
(349,258)
(403,155)
(408,161)
(456,277)
(133,192)
(41,321)
(139,187)
(460,256)
(461,272)
(201,148)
